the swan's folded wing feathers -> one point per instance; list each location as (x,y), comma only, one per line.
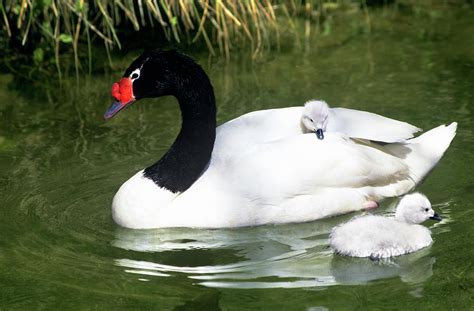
(302,163)
(371,126)
(259,126)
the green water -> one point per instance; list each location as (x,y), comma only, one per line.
(60,165)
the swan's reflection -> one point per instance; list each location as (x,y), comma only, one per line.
(263,257)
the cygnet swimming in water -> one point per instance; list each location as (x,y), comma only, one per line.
(380,237)
(317,117)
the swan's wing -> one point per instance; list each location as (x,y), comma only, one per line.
(366,125)
(301,164)
(260,126)
(298,178)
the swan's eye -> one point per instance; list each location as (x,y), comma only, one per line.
(135,74)
(427,209)
(311,120)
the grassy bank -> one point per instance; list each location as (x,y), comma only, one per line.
(44,35)
(46,29)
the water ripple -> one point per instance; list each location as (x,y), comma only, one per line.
(288,256)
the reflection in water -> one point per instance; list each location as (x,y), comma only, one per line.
(412,268)
(286,256)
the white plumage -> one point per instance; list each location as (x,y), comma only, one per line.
(265,170)
(262,167)
(380,237)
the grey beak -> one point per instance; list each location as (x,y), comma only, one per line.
(319,134)
(436,217)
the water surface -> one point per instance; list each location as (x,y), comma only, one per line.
(61,165)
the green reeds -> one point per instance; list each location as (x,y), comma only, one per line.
(221,24)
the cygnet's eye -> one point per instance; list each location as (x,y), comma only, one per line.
(311,120)
(135,74)
(427,209)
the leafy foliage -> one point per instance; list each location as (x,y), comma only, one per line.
(46,27)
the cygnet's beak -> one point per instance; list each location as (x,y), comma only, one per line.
(436,217)
(319,134)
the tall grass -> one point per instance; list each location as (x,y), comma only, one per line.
(220,24)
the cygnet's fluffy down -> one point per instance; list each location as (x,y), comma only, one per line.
(315,117)
(380,237)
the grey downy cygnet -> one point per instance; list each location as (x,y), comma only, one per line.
(380,237)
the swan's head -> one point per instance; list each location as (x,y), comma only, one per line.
(315,117)
(415,208)
(154,74)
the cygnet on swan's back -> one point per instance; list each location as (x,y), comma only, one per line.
(380,237)
(317,117)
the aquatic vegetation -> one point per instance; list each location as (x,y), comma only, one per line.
(46,34)
(46,28)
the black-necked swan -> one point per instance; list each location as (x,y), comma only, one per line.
(381,237)
(260,168)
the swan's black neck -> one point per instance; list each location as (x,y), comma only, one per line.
(190,153)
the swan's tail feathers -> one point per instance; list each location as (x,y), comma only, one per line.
(422,153)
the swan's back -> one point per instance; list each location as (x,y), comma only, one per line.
(378,237)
